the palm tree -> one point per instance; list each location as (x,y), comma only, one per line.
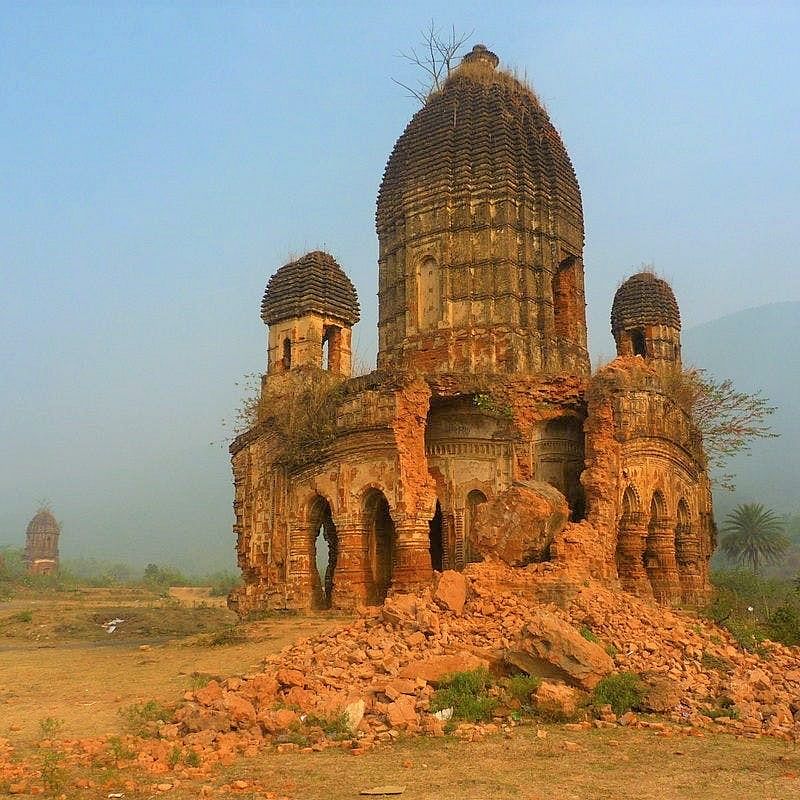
(752,534)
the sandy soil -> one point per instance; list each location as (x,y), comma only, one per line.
(84,677)
(83,681)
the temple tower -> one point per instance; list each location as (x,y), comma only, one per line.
(480,233)
(310,306)
(41,543)
(646,321)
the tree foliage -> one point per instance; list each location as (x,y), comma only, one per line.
(300,407)
(435,57)
(727,419)
(753,535)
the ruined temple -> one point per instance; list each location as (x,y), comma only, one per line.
(482,433)
(41,543)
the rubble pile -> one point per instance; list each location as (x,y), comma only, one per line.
(372,680)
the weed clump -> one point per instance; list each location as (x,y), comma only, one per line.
(119,750)
(142,719)
(521,687)
(589,635)
(230,635)
(467,693)
(335,727)
(623,691)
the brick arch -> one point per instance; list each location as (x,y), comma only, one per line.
(306,496)
(631,500)
(658,506)
(374,486)
(379,542)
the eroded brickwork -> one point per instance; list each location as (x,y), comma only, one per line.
(481,434)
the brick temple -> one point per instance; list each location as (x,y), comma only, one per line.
(482,433)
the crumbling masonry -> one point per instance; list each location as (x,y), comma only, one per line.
(482,432)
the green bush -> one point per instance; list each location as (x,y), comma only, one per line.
(119,750)
(139,718)
(174,757)
(753,609)
(589,635)
(336,727)
(467,694)
(521,687)
(222,583)
(784,625)
(623,691)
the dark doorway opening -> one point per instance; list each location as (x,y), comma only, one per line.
(380,541)
(475,499)
(324,551)
(638,342)
(287,353)
(436,539)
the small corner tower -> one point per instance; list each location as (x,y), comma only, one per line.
(41,543)
(310,306)
(646,321)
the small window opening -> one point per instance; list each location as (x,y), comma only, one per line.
(566,298)
(436,539)
(326,352)
(332,348)
(287,353)
(638,342)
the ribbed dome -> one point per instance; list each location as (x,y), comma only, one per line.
(43,522)
(314,283)
(644,299)
(480,234)
(485,131)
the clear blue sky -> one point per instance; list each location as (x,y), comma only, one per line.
(159,160)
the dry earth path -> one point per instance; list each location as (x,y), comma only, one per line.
(61,664)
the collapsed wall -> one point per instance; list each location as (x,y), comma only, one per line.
(381,670)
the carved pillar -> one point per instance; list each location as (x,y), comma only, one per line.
(303,588)
(458,530)
(349,583)
(412,567)
(689,560)
(630,555)
(659,561)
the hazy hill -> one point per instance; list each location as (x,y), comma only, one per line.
(758,348)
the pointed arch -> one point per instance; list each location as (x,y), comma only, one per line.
(323,543)
(380,543)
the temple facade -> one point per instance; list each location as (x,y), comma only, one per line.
(41,543)
(482,433)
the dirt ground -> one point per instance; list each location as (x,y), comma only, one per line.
(62,664)
(57,661)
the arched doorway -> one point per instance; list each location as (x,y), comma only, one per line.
(324,550)
(436,539)
(380,542)
(475,499)
(560,461)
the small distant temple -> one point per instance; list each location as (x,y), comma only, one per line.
(483,406)
(41,543)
